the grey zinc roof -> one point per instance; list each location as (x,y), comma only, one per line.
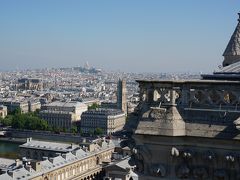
(233,47)
(232,68)
(80,153)
(52,146)
(50,164)
(124,163)
(66,104)
(5,177)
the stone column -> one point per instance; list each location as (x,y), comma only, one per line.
(172,97)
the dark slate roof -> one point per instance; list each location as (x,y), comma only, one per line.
(233,47)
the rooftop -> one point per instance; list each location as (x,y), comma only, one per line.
(50,146)
(103,111)
(50,164)
(66,104)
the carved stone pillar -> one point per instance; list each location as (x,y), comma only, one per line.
(172,97)
(150,95)
(185,96)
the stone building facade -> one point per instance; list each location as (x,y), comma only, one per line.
(109,120)
(62,114)
(13,104)
(188,130)
(34,149)
(30,84)
(3,111)
(79,164)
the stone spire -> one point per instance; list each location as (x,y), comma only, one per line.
(232,52)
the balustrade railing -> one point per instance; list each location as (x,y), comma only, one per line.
(218,95)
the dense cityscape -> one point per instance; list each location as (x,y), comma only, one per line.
(90,123)
(78,105)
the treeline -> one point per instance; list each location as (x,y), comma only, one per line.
(31,121)
(24,121)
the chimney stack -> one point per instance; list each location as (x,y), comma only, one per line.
(17,161)
(28,167)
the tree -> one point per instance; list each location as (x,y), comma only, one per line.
(28,121)
(64,129)
(74,129)
(16,111)
(56,129)
(98,131)
(80,132)
(91,132)
(93,106)
(7,121)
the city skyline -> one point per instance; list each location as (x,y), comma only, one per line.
(136,36)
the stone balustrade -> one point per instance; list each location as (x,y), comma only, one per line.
(220,95)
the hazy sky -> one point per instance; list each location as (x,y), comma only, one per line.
(126,35)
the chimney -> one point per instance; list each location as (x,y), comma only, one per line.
(29,139)
(36,165)
(28,167)
(24,160)
(17,161)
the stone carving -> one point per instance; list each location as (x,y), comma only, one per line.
(230,158)
(139,154)
(138,159)
(209,155)
(164,95)
(183,172)
(213,97)
(134,151)
(174,152)
(157,113)
(187,154)
(237,123)
(158,170)
(200,173)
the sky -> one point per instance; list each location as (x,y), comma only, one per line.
(117,35)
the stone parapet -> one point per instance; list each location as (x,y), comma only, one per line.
(170,108)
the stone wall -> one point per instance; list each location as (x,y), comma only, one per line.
(43,135)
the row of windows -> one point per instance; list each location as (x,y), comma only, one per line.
(77,169)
